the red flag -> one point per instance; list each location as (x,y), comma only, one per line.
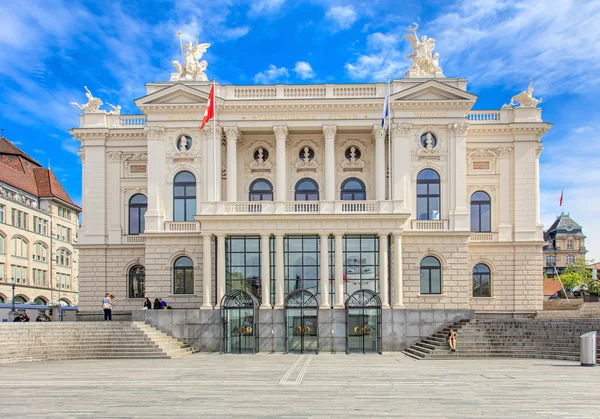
(209,112)
(561,195)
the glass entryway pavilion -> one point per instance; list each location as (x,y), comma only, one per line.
(301,322)
(363,322)
(239,316)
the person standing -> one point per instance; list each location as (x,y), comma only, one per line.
(107,307)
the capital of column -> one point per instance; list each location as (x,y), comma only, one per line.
(208,131)
(329,132)
(266,236)
(338,235)
(377,133)
(459,128)
(281,132)
(279,235)
(221,235)
(205,234)
(152,133)
(232,133)
(402,129)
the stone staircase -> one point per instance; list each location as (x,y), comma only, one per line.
(33,341)
(509,338)
(583,311)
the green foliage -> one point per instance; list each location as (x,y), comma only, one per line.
(570,280)
(577,275)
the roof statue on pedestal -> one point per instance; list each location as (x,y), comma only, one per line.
(425,64)
(93,104)
(192,68)
(524,99)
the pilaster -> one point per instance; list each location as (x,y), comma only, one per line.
(206,271)
(329,133)
(155,215)
(398,280)
(339,272)
(324,268)
(279,271)
(459,211)
(380,163)
(220,268)
(401,180)
(505,228)
(232,134)
(265,271)
(383,270)
(281,136)
(94,192)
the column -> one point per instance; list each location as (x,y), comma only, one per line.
(155,215)
(324,280)
(383,270)
(279,271)
(220,268)
(218,162)
(459,158)
(401,169)
(213,161)
(380,163)
(329,132)
(505,228)
(281,135)
(339,272)
(265,271)
(206,271)
(232,134)
(398,292)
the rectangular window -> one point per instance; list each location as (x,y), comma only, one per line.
(2,214)
(40,225)
(301,263)
(361,263)
(18,274)
(19,218)
(550,260)
(2,272)
(243,264)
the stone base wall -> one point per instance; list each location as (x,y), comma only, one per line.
(202,328)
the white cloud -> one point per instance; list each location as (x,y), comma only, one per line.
(70,145)
(266,6)
(235,33)
(304,70)
(39,151)
(17,142)
(271,75)
(343,17)
(383,59)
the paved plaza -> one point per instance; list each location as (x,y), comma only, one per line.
(326,385)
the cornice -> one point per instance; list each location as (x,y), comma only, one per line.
(431,104)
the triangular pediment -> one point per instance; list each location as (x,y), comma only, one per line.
(177,94)
(431,91)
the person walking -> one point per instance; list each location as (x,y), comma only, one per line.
(157,305)
(107,307)
(451,339)
(147,304)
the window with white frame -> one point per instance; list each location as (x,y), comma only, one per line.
(570,244)
(19,218)
(64,281)
(40,226)
(40,277)
(63,233)
(63,258)
(40,252)
(2,244)
(570,259)
(18,274)
(550,260)
(64,213)
(19,247)
(2,213)
(2,272)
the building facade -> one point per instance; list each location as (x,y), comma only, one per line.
(38,230)
(565,243)
(294,201)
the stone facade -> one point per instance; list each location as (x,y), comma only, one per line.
(447,162)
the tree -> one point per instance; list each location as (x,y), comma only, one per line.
(576,275)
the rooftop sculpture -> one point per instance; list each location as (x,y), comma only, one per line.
(192,68)
(425,64)
(524,99)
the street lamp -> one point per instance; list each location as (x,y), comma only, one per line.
(12,311)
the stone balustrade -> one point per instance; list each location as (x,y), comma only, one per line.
(301,207)
(483,237)
(429,225)
(182,226)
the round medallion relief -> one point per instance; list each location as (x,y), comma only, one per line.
(428,140)
(183,143)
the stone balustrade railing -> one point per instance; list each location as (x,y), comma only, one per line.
(429,225)
(301,207)
(132,120)
(182,226)
(134,239)
(483,237)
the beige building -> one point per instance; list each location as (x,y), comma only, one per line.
(565,243)
(283,203)
(38,230)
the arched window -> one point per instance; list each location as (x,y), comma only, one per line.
(63,258)
(40,301)
(64,302)
(2,298)
(353,189)
(481,281)
(137,281)
(431,276)
(40,252)
(306,190)
(20,299)
(19,247)
(183,276)
(481,212)
(184,197)
(428,195)
(138,204)
(261,190)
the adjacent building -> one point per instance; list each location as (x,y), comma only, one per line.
(38,231)
(565,243)
(293,207)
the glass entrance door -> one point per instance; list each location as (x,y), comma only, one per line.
(239,330)
(362,330)
(302,330)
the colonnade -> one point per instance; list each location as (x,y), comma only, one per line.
(324,291)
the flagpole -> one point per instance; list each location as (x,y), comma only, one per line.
(389,170)
(217,164)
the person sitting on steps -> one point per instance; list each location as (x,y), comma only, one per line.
(451,339)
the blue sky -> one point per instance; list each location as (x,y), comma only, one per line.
(50,49)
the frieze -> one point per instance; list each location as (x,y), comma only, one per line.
(120,156)
(153,132)
(402,130)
